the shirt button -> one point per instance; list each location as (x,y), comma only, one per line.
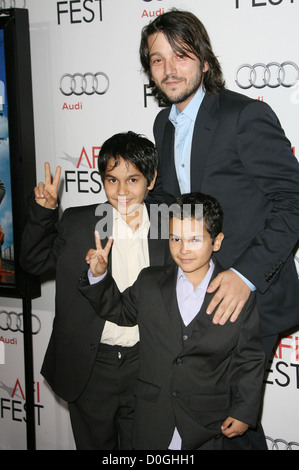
(176,394)
(185,337)
(179,361)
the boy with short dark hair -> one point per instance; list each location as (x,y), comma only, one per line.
(90,363)
(198,383)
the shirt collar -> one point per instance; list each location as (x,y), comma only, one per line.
(143,227)
(191,109)
(203,285)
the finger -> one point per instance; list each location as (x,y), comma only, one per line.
(223,313)
(37,193)
(89,254)
(215,284)
(217,298)
(41,188)
(51,202)
(48,179)
(98,241)
(56,178)
(227,423)
(101,260)
(108,246)
(236,313)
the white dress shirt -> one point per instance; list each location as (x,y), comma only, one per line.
(130,255)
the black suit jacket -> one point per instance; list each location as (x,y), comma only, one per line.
(241,156)
(77,329)
(192,378)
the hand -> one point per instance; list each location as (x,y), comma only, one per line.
(46,193)
(233,427)
(98,258)
(231,296)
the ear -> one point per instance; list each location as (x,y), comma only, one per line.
(218,241)
(152,184)
(206,66)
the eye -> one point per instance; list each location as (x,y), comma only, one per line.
(111,180)
(156,61)
(175,239)
(181,56)
(133,180)
(197,240)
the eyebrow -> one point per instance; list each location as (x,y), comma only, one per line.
(108,175)
(156,53)
(199,235)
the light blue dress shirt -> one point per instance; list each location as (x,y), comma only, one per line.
(184,125)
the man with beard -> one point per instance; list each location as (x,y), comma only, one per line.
(222,143)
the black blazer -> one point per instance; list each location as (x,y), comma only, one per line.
(77,329)
(241,156)
(191,378)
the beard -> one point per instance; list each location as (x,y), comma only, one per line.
(173,98)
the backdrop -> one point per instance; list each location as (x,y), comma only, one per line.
(88,85)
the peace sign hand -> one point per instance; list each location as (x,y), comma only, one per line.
(46,193)
(98,258)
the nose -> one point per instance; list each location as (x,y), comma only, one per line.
(185,247)
(169,67)
(122,189)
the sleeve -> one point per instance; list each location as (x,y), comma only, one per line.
(158,195)
(42,239)
(109,303)
(247,368)
(267,156)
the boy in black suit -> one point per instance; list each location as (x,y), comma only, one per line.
(91,363)
(199,383)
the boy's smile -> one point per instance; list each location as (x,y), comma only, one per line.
(191,247)
(126,188)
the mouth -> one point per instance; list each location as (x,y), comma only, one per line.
(123,202)
(171,81)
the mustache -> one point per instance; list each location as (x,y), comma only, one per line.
(171,77)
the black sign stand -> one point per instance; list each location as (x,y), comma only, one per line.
(29,374)
(15,25)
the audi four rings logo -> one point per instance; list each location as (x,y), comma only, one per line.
(12,321)
(12,4)
(272,75)
(87,83)
(281,444)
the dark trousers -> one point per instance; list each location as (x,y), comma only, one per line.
(102,417)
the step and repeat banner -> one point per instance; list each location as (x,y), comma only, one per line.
(88,85)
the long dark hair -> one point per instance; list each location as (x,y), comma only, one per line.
(186,34)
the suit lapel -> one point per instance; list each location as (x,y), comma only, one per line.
(204,129)
(168,291)
(169,162)
(158,244)
(202,321)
